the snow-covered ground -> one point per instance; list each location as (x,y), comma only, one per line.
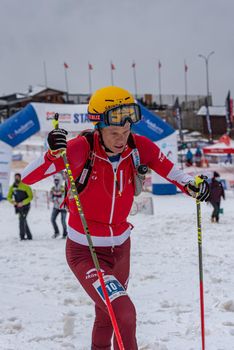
(44,308)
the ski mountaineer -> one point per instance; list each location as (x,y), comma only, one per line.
(106,199)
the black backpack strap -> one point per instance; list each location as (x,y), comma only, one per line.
(83,178)
(135,153)
(131,141)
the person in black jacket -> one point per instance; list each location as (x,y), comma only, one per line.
(216,193)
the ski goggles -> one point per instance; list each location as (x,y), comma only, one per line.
(118,116)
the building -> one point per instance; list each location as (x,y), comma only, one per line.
(217,120)
(10,104)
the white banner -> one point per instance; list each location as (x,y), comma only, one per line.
(5,167)
(73,118)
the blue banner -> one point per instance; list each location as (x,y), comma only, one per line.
(152,126)
(20,126)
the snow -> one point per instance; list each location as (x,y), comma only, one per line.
(43,307)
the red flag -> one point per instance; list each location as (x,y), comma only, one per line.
(112,66)
(159,65)
(65,65)
(225,139)
(133,64)
(185,68)
(90,66)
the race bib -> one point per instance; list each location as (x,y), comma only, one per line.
(113,286)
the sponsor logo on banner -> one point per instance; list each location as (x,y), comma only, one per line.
(153,126)
(19,127)
(81,118)
(21,130)
(69,117)
(63,117)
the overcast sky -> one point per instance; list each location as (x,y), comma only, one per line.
(98,31)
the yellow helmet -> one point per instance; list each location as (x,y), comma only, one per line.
(107,98)
(113,105)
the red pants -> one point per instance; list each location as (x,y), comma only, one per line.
(114,262)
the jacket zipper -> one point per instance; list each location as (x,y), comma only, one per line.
(115,184)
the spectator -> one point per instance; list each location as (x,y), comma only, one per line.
(216,192)
(20,195)
(189,157)
(57,194)
(228,159)
(198,156)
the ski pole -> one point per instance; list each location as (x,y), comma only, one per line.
(199,180)
(90,243)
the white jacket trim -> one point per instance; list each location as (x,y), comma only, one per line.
(81,238)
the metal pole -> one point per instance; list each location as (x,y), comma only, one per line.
(185,84)
(45,73)
(159,83)
(66,81)
(90,82)
(206,58)
(112,74)
(135,81)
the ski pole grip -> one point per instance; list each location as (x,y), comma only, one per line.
(55,121)
(198,180)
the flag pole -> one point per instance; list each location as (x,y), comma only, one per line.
(134,77)
(159,82)
(45,73)
(185,82)
(90,67)
(112,75)
(66,80)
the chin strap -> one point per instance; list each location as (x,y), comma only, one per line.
(102,142)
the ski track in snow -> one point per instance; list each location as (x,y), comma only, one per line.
(44,308)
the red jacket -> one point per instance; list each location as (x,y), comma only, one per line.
(108,196)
